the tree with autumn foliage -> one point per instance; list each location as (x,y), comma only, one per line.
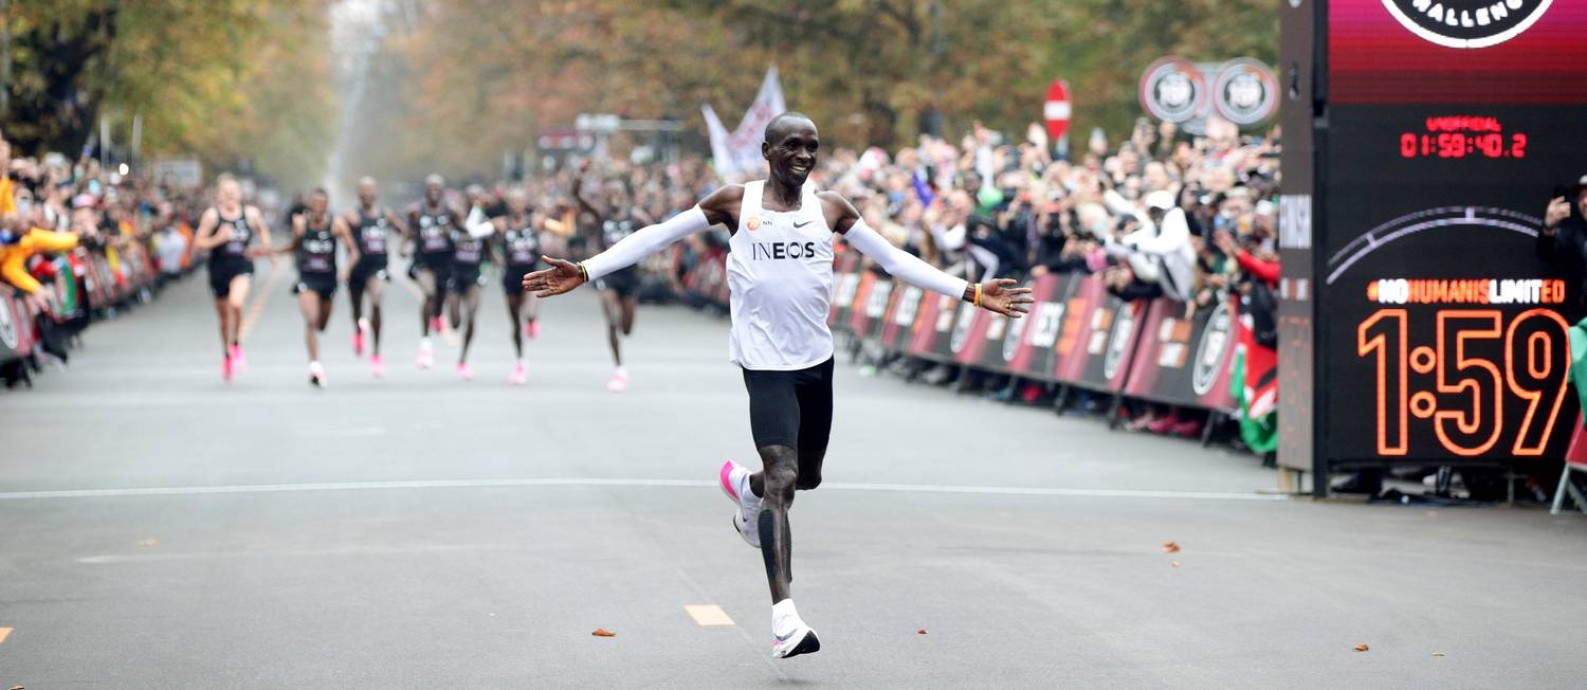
(233,82)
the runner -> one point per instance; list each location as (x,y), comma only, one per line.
(520,249)
(430,226)
(315,235)
(467,277)
(227,230)
(372,228)
(780,272)
(619,290)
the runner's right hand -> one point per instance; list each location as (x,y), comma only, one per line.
(563,276)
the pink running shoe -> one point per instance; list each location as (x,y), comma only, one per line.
(377,366)
(436,324)
(227,372)
(463,372)
(735,483)
(426,358)
(520,374)
(533,329)
(358,338)
(238,361)
(619,382)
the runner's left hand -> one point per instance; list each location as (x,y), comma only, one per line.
(563,276)
(1002,297)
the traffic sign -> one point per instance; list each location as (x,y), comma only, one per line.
(1057,109)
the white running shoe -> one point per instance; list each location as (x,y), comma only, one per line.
(426,358)
(317,375)
(735,483)
(795,637)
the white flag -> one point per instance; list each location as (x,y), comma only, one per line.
(739,152)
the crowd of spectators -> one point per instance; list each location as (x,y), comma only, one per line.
(116,238)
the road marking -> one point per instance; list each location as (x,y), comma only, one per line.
(256,309)
(708,614)
(625,483)
(4,633)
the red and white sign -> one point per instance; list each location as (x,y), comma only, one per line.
(1057,109)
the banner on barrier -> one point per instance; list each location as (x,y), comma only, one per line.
(1076,333)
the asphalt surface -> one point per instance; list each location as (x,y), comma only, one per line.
(160,529)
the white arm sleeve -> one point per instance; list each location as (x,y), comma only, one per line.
(646,241)
(900,263)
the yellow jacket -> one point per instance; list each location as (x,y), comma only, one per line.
(14,257)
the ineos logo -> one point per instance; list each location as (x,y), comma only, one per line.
(1467,23)
(761,251)
(1209,354)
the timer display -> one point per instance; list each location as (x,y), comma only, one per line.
(1444,337)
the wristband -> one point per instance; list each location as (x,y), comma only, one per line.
(584,272)
(978,295)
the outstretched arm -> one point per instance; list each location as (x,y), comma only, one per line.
(999,295)
(720,207)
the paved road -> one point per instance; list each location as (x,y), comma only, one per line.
(159,529)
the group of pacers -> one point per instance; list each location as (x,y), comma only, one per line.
(447,248)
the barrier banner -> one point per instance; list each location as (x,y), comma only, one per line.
(1185,361)
(983,349)
(845,286)
(1030,347)
(1098,337)
(860,312)
(932,324)
(16,326)
(901,314)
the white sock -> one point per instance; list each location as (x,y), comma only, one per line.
(782,616)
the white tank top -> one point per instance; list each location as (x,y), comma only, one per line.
(779,271)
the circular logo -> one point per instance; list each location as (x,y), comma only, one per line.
(1119,343)
(1173,89)
(752,224)
(8,328)
(1209,354)
(1467,23)
(1245,92)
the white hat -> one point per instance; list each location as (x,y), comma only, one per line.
(1161,200)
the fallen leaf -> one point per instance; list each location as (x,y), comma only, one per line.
(1362,648)
(17,688)
(1175,564)
(1438,653)
(149,542)
(921,631)
(1432,513)
(1170,547)
(603,632)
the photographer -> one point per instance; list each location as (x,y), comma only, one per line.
(1562,242)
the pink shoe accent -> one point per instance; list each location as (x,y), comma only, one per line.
(377,366)
(426,358)
(465,373)
(533,329)
(227,372)
(726,475)
(238,361)
(436,325)
(358,343)
(618,384)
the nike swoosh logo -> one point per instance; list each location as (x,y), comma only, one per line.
(785,638)
(800,225)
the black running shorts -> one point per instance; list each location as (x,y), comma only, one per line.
(624,281)
(512,279)
(791,408)
(366,268)
(324,284)
(223,271)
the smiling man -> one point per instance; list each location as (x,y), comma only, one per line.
(779,269)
